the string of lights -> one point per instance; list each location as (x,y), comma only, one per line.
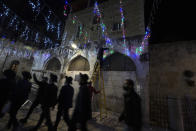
(36,7)
(15,23)
(28,52)
(123,28)
(66,8)
(102,25)
(83,34)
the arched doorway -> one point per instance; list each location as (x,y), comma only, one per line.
(118,62)
(116,69)
(79,63)
(53,65)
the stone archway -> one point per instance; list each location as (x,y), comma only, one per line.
(53,65)
(118,62)
(79,63)
(116,69)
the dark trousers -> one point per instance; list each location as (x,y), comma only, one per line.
(2,104)
(35,103)
(15,106)
(78,118)
(44,115)
(65,113)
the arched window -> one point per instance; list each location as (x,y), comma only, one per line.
(79,64)
(53,65)
(118,62)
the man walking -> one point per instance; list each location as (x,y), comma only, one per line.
(65,102)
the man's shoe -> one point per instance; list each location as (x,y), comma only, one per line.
(23,121)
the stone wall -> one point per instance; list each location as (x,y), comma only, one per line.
(110,10)
(134,17)
(88,55)
(113,82)
(168,61)
(172,98)
(6,59)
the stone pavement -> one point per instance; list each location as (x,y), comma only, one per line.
(109,123)
(93,125)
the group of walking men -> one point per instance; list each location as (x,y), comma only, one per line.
(17,92)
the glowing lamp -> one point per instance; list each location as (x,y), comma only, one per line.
(73,45)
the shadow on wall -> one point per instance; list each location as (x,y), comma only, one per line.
(116,69)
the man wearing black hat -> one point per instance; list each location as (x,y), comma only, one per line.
(65,102)
(6,86)
(49,100)
(19,96)
(132,114)
(82,112)
(40,93)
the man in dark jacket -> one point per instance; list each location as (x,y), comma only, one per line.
(49,100)
(6,87)
(100,55)
(19,96)
(131,114)
(42,84)
(65,102)
(82,112)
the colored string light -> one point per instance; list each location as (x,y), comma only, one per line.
(5,10)
(12,21)
(140,50)
(52,27)
(36,7)
(66,7)
(37,37)
(83,34)
(16,25)
(47,19)
(27,33)
(81,29)
(58,30)
(102,25)
(24,32)
(74,20)
(123,27)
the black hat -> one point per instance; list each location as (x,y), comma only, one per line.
(69,79)
(84,77)
(26,74)
(45,78)
(9,73)
(53,77)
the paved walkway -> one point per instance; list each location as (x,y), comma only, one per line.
(109,123)
(93,125)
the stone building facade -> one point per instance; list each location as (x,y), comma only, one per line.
(172,85)
(7,60)
(86,57)
(115,72)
